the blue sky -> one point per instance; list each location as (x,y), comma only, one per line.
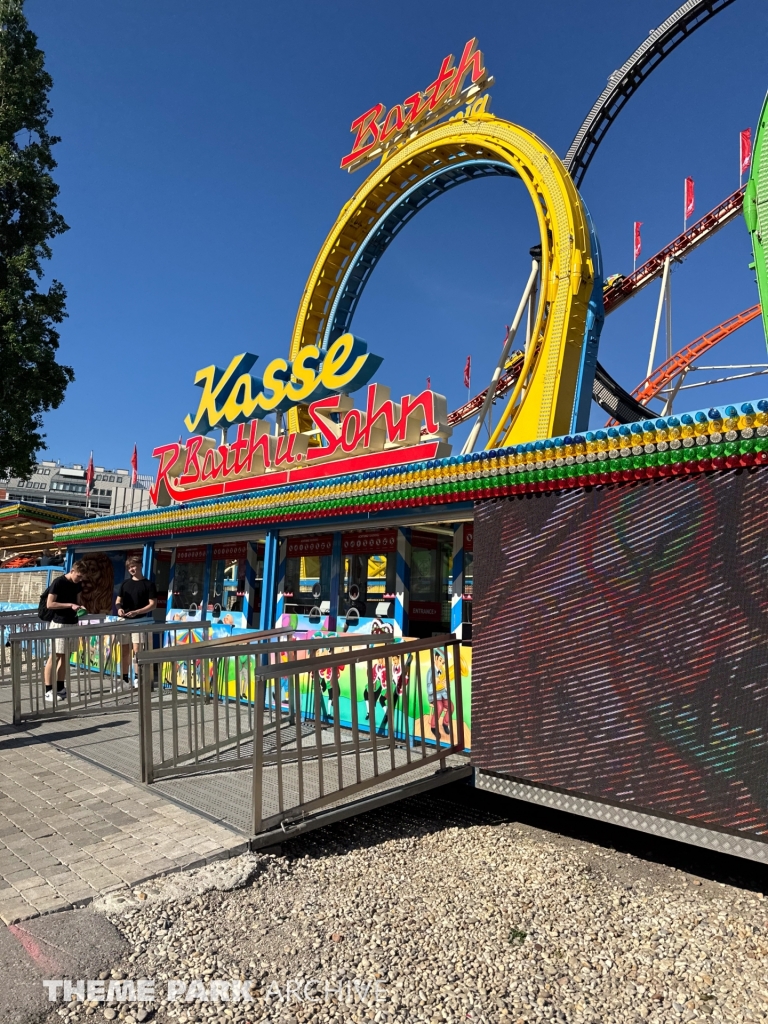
(199,173)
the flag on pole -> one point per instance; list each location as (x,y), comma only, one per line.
(690,204)
(638,243)
(429,383)
(134,467)
(468,372)
(745,150)
(89,476)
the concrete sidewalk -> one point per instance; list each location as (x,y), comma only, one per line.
(70,830)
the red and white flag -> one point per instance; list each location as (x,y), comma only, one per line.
(134,467)
(745,150)
(638,242)
(690,203)
(468,372)
(89,476)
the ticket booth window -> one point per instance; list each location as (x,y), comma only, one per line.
(430,601)
(227,587)
(367,600)
(307,589)
(189,578)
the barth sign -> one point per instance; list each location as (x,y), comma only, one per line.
(377,131)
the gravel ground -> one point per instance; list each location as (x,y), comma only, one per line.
(430,911)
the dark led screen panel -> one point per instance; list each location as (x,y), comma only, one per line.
(621,645)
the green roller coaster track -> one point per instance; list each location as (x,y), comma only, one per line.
(756,210)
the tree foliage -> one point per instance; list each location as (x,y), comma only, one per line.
(31,381)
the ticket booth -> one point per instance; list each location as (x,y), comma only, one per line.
(369,570)
(306,585)
(431,569)
(226,592)
(188,587)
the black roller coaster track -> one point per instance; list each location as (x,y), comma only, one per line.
(622,85)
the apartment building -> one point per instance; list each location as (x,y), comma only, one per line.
(64,487)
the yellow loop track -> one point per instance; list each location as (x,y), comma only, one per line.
(541,404)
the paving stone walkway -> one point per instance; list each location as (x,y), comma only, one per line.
(70,830)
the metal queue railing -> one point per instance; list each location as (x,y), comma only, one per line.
(22,620)
(203,716)
(317,720)
(92,660)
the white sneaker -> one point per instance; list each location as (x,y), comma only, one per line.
(60,694)
(49,696)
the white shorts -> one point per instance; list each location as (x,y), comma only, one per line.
(139,638)
(59,643)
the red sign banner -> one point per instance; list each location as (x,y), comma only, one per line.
(638,244)
(300,547)
(234,550)
(690,202)
(745,149)
(369,542)
(190,555)
(425,611)
(469,537)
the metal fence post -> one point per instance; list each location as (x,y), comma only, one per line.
(16,680)
(145,722)
(258,754)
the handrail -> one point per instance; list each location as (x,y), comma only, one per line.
(345,640)
(256,636)
(117,626)
(337,660)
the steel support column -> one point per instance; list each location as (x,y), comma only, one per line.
(251,599)
(206,582)
(148,560)
(269,583)
(457,581)
(336,567)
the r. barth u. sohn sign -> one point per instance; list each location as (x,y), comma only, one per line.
(342,438)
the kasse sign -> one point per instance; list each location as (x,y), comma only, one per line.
(342,438)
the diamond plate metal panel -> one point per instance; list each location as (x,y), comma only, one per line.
(708,839)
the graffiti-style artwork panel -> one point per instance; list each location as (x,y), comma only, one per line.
(621,645)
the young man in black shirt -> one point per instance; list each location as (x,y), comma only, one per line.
(64,600)
(136,598)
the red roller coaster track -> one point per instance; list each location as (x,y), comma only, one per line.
(664,375)
(613,297)
(676,251)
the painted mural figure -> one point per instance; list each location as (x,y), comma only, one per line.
(439,698)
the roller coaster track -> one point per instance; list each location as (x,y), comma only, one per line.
(623,406)
(625,82)
(622,85)
(663,375)
(676,251)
